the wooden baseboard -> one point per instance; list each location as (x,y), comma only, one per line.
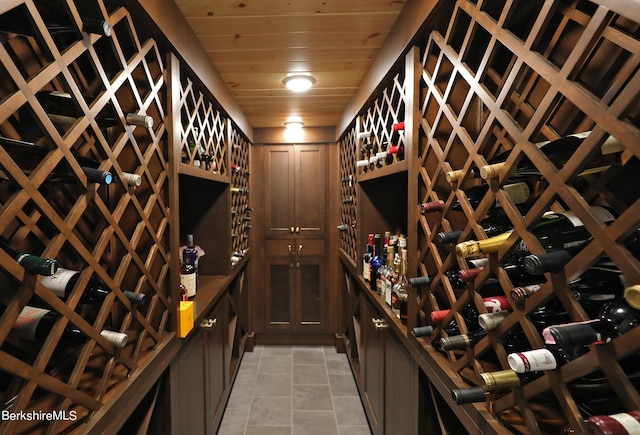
(295,339)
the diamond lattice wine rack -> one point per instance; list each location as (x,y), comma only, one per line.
(503,77)
(73,102)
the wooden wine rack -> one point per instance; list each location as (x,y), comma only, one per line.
(348,189)
(240,227)
(117,233)
(501,77)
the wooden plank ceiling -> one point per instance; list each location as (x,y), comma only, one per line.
(255,44)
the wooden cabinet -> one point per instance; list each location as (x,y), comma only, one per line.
(295,228)
(198,376)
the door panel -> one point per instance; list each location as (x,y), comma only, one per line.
(279,291)
(279,191)
(310,303)
(216,367)
(310,198)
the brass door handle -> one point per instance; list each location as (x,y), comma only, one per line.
(291,257)
(379,324)
(208,323)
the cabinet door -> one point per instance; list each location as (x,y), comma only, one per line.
(188,395)
(279,285)
(372,366)
(295,191)
(310,191)
(215,348)
(279,191)
(311,294)
(400,388)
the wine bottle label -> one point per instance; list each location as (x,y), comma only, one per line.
(628,422)
(189,281)
(27,322)
(600,213)
(518,192)
(57,282)
(533,360)
(366,273)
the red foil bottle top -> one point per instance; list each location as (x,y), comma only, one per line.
(398,126)
(468,275)
(432,206)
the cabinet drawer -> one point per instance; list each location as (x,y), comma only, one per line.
(275,248)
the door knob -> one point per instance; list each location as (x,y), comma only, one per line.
(293,230)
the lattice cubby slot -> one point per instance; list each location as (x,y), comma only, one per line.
(348,194)
(204,133)
(382,127)
(241,211)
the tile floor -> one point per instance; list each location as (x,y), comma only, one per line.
(294,390)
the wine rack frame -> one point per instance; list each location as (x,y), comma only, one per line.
(503,76)
(123,235)
(117,233)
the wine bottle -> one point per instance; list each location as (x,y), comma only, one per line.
(31,263)
(432,206)
(375,264)
(457,175)
(492,304)
(62,109)
(28,156)
(468,395)
(56,19)
(601,283)
(462,341)
(493,225)
(632,296)
(400,293)
(558,151)
(555,231)
(489,321)
(500,380)
(398,126)
(615,319)
(624,423)
(62,282)
(541,359)
(386,273)
(366,258)
(189,267)
(423,331)
(34,324)
(521,194)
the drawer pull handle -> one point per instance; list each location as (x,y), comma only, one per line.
(208,323)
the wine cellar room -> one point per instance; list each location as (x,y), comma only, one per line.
(439,233)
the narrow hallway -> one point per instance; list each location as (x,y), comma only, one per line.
(294,390)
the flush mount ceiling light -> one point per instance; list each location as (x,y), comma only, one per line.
(294,124)
(299,82)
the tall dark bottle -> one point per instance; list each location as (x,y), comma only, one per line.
(615,319)
(28,156)
(375,263)
(188,269)
(554,231)
(63,281)
(34,324)
(31,263)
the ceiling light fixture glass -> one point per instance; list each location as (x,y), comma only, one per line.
(299,82)
(294,125)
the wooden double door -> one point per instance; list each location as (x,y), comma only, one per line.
(295,238)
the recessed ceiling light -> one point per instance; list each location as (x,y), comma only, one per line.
(294,125)
(299,82)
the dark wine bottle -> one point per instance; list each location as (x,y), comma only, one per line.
(462,341)
(31,263)
(468,395)
(57,19)
(62,109)
(188,269)
(555,231)
(493,225)
(63,281)
(34,324)
(366,258)
(520,192)
(615,319)
(559,151)
(28,155)
(375,263)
